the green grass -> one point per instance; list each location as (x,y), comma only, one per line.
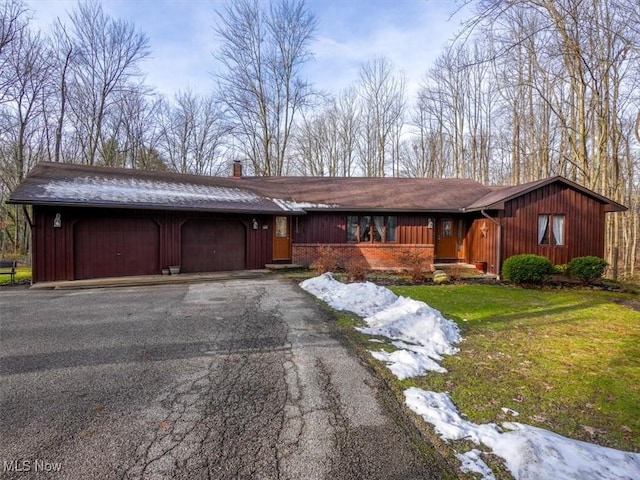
(23,275)
(567,360)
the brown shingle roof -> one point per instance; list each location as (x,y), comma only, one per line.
(68,184)
(81,185)
(372,193)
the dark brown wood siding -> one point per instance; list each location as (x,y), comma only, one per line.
(331,228)
(584,224)
(54,249)
(481,242)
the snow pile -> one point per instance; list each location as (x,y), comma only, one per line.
(363,299)
(529,452)
(422,334)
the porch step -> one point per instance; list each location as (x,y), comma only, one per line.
(458,268)
(282,266)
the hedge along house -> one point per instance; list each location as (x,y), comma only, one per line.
(93,222)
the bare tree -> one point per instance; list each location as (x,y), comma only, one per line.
(192,132)
(28,65)
(22,141)
(383,101)
(261,85)
(326,139)
(12,22)
(63,51)
(105,65)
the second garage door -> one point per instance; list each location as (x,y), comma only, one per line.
(213,245)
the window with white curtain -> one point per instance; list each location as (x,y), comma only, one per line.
(371,228)
(557,231)
(551,230)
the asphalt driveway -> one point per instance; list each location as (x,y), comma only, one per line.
(233,379)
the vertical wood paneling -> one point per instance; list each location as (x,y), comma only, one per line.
(482,248)
(54,250)
(584,224)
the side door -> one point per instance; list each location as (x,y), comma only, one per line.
(282,238)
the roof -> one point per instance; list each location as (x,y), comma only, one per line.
(82,185)
(372,193)
(500,195)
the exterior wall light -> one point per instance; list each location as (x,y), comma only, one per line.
(57,221)
(430,223)
(255,224)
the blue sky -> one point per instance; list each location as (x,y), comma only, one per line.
(410,33)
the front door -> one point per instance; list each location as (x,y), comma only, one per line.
(446,244)
(281,239)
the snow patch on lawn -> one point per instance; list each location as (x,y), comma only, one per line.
(529,452)
(422,335)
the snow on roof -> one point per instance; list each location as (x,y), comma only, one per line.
(290,206)
(132,190)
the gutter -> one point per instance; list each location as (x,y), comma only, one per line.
(499,248)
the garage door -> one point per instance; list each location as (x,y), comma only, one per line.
(116,247)
(212,246)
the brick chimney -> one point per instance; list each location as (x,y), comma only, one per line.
(237,169)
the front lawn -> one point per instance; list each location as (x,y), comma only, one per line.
(23,275)
(567,360)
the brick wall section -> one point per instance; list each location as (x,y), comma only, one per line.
(377,256)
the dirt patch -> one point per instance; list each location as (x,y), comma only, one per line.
(633,303)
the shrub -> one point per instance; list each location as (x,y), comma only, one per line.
(527,269)
(415,264)
(587,269)
(326,261)
(357,269)
(560,269)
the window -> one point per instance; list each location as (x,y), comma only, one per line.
(371,228)
(352,228)
(282,227)
(447,227)
(392,224)
(551,230)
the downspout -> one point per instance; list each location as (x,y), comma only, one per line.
(499,252)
